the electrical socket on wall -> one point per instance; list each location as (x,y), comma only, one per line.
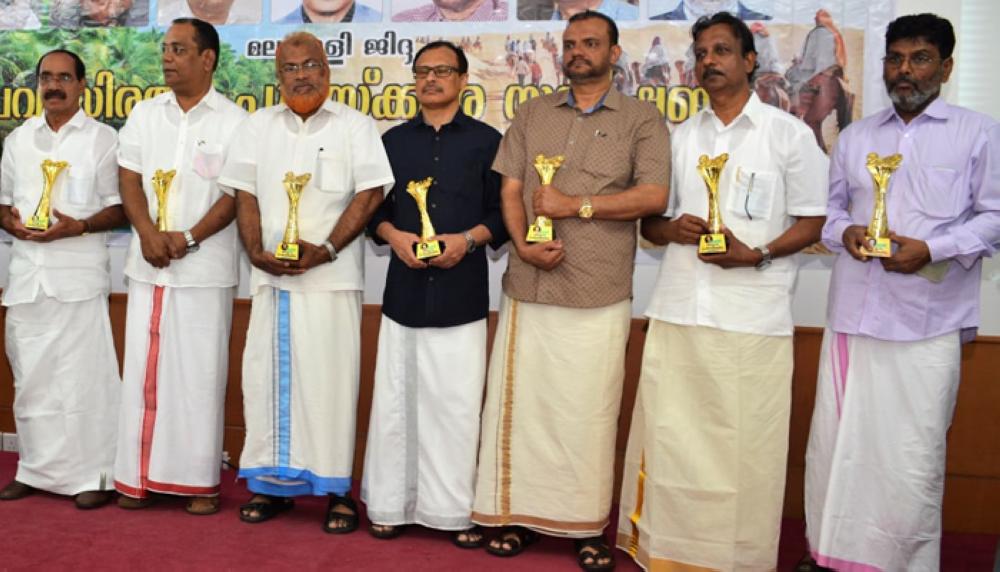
(10,442)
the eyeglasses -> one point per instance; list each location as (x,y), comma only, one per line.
(60,78)
(420,72)
(920,60)
(310,67)
(174,48)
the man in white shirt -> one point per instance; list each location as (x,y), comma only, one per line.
(301,364)
(58,336)
(182,272)
(705,466)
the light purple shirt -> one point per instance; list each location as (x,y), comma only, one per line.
(489,10)
(946,192)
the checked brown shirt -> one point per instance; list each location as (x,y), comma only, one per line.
(621,144)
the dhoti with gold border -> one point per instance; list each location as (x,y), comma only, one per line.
(546,458)
(705,465)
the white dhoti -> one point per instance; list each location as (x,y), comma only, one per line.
(176,365)
(66,393)
(420,462)
(875,464)
(553,394)
(301,371)
(704,478)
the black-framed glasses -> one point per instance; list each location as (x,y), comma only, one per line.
(919,60)
(420,72)
(174,48)
(310,67)
(746,203)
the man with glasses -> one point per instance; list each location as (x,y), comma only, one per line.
(891,354)
(704,475)
(182,270)
(301,364)
(58,337)
(420,464)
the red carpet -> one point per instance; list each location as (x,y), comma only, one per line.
(45,532)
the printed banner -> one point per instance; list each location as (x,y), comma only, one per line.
(811,53)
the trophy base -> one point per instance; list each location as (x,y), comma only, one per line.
(287,251)
(36,222)
(877,248)
(540,233)
(712,244)
(428,249)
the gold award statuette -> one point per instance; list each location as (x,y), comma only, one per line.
(426,248)
(881,169)
(541,229)
(289,247)
(711,170)
(50,171)
(161,186)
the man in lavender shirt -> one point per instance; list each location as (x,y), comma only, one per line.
(889,368)
(455,11)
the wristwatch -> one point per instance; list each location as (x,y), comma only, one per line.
(330,249)
(586,209)
(192,244)
(765,257)
(470,243)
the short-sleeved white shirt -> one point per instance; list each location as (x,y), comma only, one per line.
(789,172)
(159,135)
(70,269)
(343,152)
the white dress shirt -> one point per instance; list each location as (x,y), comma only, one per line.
(69,269)
(343,152)
(242,12)
(159,135)
(775,172)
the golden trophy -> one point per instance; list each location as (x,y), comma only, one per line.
(289,247)
(426,248)
(50,171)
(711,170)
(541,229)
(161,186)
(877,237)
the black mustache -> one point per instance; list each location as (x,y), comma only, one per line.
(711,72)
(54,94)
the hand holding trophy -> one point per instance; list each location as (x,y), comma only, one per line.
(711,171)
(881,168)
(426,248)
(294,185)
(541,230)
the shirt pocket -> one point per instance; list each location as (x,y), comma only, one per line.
(608,158)
(751,195)
(78,188)
(333,175)
(937,194)
(208,160)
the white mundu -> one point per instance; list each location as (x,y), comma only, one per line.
(178,321)
(301,364)
(704,474)
(428,391)
(58,333)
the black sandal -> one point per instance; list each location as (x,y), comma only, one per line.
(350,520)
(265,510)
(599,549)
(469,534)
(387,531)
(517,537)
(807,564)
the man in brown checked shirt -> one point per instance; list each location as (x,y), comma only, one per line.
(554,385)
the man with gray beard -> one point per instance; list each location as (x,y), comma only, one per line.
(891,354)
